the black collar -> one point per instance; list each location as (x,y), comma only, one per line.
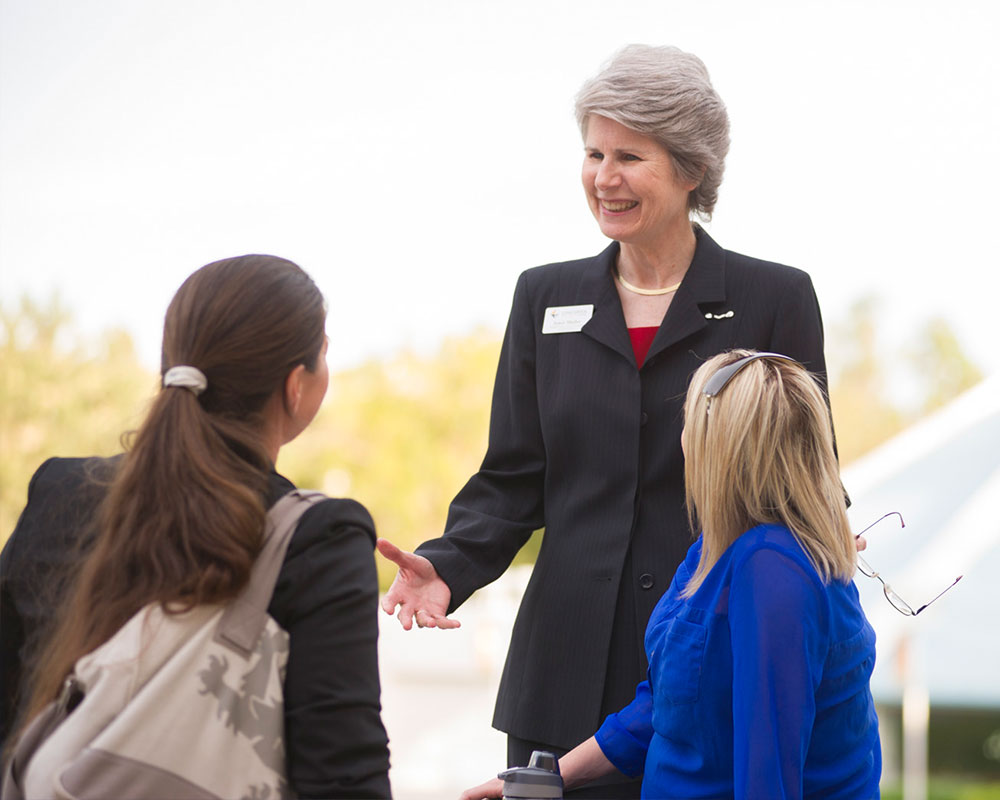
(703,283)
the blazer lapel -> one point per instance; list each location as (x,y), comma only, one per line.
(704,282)
(607,326)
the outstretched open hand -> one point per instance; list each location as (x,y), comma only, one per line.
(417,590)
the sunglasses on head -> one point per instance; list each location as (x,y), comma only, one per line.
(722,376)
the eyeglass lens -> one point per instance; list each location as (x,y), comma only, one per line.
(894,599)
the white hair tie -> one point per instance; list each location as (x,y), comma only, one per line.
(186,378)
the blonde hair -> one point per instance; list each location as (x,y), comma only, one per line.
(763,453)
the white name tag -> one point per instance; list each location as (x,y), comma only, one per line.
(566,319)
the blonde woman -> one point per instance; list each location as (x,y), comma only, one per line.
(759,652)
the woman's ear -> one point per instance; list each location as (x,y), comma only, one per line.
(293,390)
(694,184)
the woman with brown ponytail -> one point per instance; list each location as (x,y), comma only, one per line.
(178,521)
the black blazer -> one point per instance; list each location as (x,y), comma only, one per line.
(587,446)
(326,598)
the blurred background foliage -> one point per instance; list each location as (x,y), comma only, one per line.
(60,395)
(877,390)
(402,434)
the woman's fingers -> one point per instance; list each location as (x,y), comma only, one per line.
(391,552)
(422,617)
(417,591)
(416,567)
(405,617)
(404,589)
(398,595)
(489,790)
(429,619)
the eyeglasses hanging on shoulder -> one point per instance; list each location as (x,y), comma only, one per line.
(894,599)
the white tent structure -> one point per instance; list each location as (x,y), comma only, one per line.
(943,476)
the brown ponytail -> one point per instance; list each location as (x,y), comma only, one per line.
(183,518)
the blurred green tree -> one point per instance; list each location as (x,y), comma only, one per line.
(864,414)
(60,395)
(875,391)
(941,366)
(403,434)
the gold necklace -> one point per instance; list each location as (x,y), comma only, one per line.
(646,292)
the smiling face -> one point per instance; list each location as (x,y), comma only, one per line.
(631,184)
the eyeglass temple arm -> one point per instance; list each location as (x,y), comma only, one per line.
(876,522)
(946,588)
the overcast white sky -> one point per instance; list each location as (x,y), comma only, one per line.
(415,156)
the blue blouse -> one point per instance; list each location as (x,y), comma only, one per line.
(757,684)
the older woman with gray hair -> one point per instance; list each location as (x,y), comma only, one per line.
(587,408)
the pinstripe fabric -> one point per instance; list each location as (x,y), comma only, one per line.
(587,446)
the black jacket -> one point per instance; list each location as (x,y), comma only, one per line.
(587,446)
(326,598)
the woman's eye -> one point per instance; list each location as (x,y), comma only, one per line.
(595,156)
(630,157)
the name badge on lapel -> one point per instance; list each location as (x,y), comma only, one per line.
(567,319)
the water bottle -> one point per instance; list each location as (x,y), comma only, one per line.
(539,780)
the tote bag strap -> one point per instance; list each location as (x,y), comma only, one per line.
(245,617)
(41,727)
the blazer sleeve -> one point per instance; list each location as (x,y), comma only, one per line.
(326,598)
(502,504)
(798,325)
(37,562)
(798,332)
(12,633)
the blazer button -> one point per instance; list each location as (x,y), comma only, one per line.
(646,581)
(643,419)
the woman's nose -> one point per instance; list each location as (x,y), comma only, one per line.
(607,175)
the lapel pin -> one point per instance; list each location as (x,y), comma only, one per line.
(727,315)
